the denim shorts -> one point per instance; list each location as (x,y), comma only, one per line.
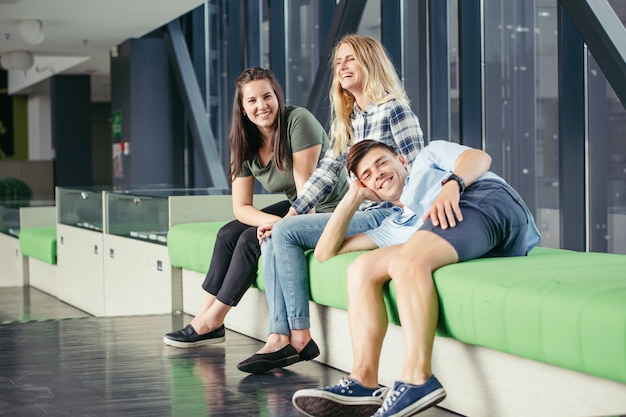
(494,223)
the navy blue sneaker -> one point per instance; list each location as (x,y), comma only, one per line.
(347,398)
(408,400)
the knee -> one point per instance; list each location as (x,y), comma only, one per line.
(404,267)
(249,237)
(228,232)
(286,231)
(358,275)
(281,229)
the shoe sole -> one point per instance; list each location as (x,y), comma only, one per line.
(326,406)
(199,343)
(428,401)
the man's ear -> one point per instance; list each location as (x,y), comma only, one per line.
(402,160)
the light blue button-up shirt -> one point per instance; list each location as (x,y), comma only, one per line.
(431,166)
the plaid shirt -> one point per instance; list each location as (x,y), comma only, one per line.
(393,123)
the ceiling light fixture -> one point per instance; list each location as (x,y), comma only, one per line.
(17,60)
(31,31)
(5,60)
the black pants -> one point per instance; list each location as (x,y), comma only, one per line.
(235,258)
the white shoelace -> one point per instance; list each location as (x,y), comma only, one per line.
(392,396)
(346,382)
(380,392)
(343,382)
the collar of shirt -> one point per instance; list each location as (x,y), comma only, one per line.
(404,216)
(357,111)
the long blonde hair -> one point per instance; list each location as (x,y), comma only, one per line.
(381,84)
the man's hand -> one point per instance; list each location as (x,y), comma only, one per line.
(333,239)
(360,192)
(445,210)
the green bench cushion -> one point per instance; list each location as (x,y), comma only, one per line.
(39,243)
(563,308)
(190,245)
(327,283)
(552,306)
(556,306)
(327,280)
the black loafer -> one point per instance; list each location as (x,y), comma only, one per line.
(263,362)
(188,338)
(310,351)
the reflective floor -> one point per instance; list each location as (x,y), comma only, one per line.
(56,360)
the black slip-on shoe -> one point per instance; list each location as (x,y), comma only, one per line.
(188,338)
(310,351)
(263,362)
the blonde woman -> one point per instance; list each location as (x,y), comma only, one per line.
(367,102)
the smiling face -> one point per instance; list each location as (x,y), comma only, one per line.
(348,71)
(260,104)
(383,172)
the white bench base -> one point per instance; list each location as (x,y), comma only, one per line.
(479,381)
(138,278)
(12,262)
(41,275)
(80,263)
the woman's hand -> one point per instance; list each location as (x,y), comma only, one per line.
(264,231)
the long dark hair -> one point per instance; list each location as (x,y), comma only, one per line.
(244,136)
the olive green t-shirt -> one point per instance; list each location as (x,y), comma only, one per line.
(303,132)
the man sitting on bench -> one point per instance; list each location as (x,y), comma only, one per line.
(450,208)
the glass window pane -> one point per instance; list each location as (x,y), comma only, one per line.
(620,9)
(303,49)
(521,103)
(607,164)
(453,37)
(370,22)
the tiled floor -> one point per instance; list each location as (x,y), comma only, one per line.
(56,360)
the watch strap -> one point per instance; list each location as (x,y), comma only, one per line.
(456,178)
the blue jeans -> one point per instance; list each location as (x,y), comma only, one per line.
(285,268)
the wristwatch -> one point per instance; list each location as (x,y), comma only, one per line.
(454,177)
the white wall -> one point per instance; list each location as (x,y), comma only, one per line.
(39,127)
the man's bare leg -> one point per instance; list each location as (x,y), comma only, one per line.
(367,313)
(359,394)
(418,304)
